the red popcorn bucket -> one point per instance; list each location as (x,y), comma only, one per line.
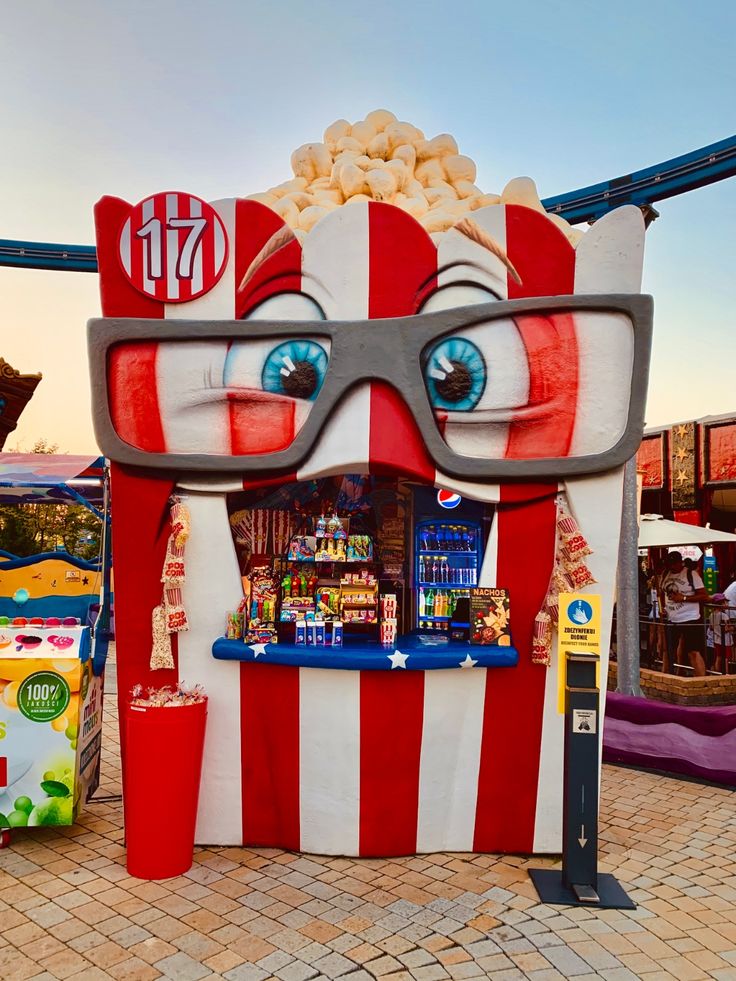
(162,766)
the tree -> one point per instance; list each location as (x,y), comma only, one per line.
(27,529)
(16,535)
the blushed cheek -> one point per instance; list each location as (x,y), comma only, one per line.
(552,352)
(133,396)
(263,423)
(265,426)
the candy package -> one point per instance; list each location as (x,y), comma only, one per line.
(234,626)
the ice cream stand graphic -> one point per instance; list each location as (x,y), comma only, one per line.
(50,724)
(377,315)
(51,667)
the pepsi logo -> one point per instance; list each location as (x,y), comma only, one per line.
(447,499)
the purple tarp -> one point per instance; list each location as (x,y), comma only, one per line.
(696,742)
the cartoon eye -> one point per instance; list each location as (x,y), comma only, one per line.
(457,295)
(287,306)
(455,375)
(296,369)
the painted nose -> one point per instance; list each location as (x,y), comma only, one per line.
(395,440)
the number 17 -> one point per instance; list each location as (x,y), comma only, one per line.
(152,233)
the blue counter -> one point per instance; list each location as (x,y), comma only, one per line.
(359,654)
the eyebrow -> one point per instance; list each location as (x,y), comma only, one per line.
(472,230)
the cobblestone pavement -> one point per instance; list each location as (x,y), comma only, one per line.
(68,909)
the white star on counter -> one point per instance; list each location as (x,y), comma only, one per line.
(468,662)
(257,649)
(397,659)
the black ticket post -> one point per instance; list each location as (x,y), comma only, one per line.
(578,882)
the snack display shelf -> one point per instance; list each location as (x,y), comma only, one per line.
(338,561)
(447,553)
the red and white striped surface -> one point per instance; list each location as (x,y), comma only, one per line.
(384,762)
(173,247)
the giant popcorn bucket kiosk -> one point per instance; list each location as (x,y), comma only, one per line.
(376,315)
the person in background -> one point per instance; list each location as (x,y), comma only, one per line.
(656,641)
(683,592)
(720,636)
(730,593)
(691,564)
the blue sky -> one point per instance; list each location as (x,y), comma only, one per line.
(129,98)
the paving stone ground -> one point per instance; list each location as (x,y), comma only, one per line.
(68,908)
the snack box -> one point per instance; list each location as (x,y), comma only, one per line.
(50,725)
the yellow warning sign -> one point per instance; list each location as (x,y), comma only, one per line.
(579,630)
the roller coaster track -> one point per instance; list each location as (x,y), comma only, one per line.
(665,180)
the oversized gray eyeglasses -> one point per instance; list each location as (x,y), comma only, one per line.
(393,350)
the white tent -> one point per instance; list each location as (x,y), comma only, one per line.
(657,532)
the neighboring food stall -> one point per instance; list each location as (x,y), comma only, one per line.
(357,453)
(51,659)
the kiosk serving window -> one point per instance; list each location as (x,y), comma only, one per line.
(354,566)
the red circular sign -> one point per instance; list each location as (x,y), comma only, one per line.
(173,247)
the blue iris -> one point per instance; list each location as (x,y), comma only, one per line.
(455,375)
(295,369)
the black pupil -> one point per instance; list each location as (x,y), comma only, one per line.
(456,385)
(301,383)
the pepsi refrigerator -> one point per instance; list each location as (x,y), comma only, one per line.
(448,552)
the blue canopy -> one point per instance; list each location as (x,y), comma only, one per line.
(42,478)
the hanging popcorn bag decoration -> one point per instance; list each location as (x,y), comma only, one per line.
(281,532)
(170,616)
(569,574)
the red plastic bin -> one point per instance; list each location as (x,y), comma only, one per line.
(162,766)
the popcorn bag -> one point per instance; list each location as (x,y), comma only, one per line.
(161,788)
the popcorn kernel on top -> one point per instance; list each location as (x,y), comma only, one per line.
(381,158)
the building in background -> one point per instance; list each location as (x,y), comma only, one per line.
(689,474)
(16,391)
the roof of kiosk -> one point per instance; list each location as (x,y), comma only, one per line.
(41,478)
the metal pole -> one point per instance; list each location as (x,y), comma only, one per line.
(627,598)
(580,801)
(578,882)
